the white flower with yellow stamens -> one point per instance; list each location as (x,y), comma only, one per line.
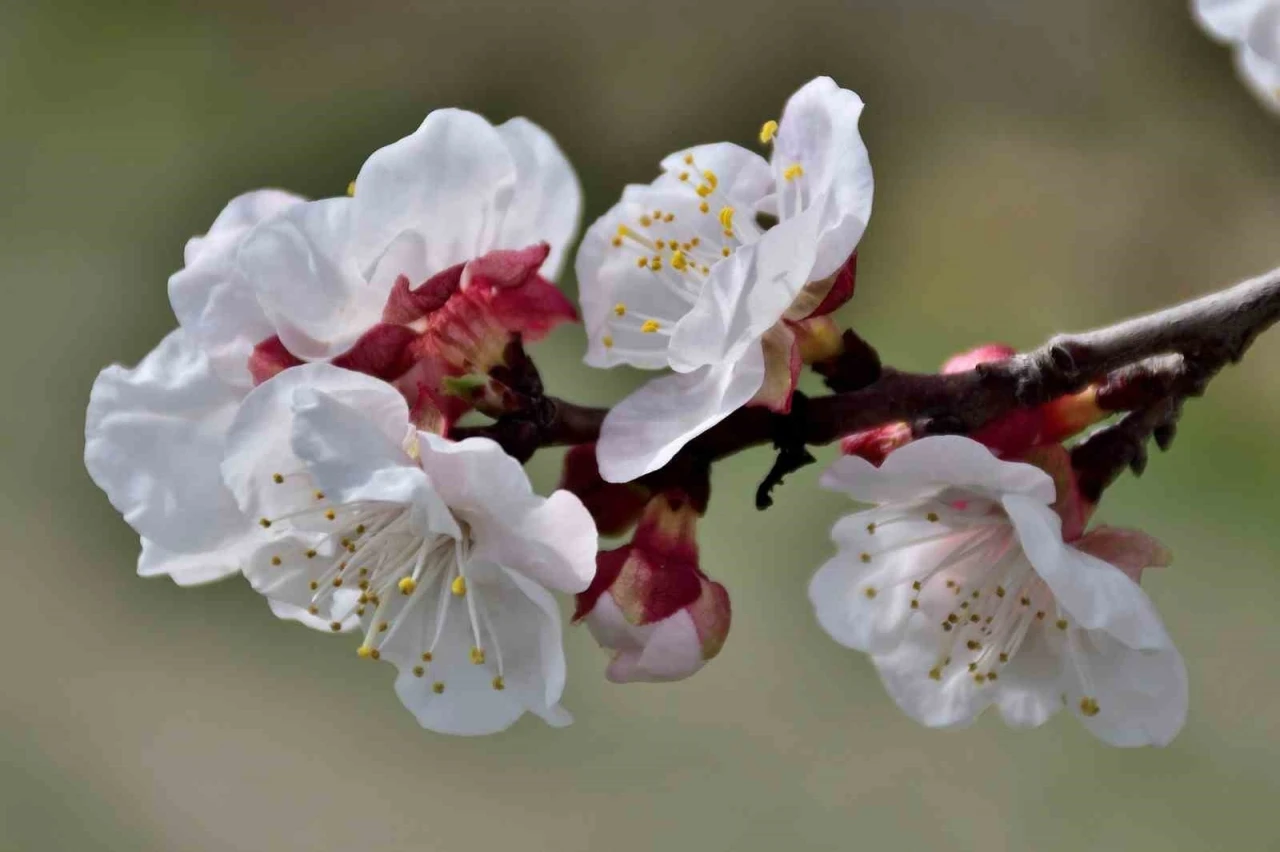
(960,587)
(438,550)
(687,273)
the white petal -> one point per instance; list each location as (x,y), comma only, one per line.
(308,281)
(195,569)
(953,701)
(1226,20)
(819,131)
(215,305)
(1261,75)
(644,431)
(552,540)
(451,181)
(526,622)
(609,275)
(873,622)
(927,466)
(1095,594)
(153,438)
(547,201)
(1031,685)
(1141,695)
(260,440)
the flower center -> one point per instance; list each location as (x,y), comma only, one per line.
(372,561)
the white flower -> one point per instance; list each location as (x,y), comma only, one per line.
(154,434)
(451,192)
(682,274)
(439,550)
(1252,27)
(961,589)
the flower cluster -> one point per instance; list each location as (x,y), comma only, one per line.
(300,428)
(1252,28)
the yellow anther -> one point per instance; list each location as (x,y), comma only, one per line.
(935,673)
(1004,658)
(657,214)
(438,687)
(668,217)
(337,582)
(642,262)
(915,604)
(952,618)
(688,159)
(678,261)
(607,341)
(360,529)
(624,231)
(313,609)
(710,177)
(767,131)
(726,217)
(656,264)
(458,586)
(975,618)
(1000,591)
(916,586)
(360,610)
(645,220)
(725,252)
(620,309)
(704,207)
(419,671)
(684,176)
(277,478)
(319,495)
(499,684)
(650,326)
(793,171)
(407,585)
(992,676)
(932,517)
(311,554)
(728,232)
(703,190)
(695,242)
(382,626)
(869,592)
(264,523)
(1062,624)
(351,189)
(314,585)
(705,269)
(973,645)
(275,560)
(427,657)
(330,514)
(335,626)
(865,557)
(1089,707)
(477,656)
(1025,601)
(617,242)
(979,678)
(663,244)
(364,652)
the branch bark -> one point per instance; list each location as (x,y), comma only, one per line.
(1149,362)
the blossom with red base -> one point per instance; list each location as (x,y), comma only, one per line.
(651,604)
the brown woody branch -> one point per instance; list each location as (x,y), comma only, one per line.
(1147,365)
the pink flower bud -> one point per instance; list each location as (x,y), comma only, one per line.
(650,603)
(874,444)
(615,506)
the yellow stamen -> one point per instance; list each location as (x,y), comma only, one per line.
(458,586)
(650,326)
(726,217)
(438,687)
(277,478)
(351,189)
(678,261)
(407,585)
(477,656)
(767,131)
(499,684)
(607,341)
(793,171)
(710,177)
(620,310)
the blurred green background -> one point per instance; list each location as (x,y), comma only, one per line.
(1041,166)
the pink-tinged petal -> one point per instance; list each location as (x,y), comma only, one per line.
(874,445)
(153,437)
(712,614)
(547,202)
(644,431)
(1095,595)
(1132,551)
(408,304)
(782,363)
(451,181)
(926,466)
(552,540)
(269,358)
(672,651)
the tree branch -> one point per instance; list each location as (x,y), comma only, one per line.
(1147,364)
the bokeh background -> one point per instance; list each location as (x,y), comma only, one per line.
(1040,166)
